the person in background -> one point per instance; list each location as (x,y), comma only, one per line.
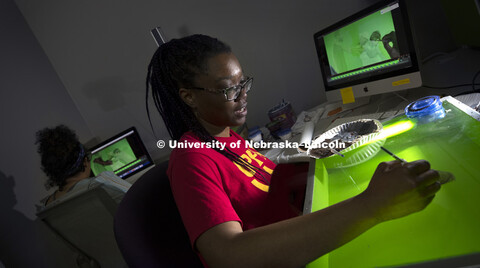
(389,42)
(200,90)
(66,163)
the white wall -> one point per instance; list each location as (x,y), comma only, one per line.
(83,63)
(101,49)
(31,97)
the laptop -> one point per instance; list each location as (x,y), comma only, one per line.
(124,154)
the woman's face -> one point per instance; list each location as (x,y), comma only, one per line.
(212,109)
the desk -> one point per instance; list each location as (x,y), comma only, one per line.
(448,227)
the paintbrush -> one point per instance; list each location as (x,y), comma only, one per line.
(445,176)
(393,155)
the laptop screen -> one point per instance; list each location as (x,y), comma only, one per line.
(124,154)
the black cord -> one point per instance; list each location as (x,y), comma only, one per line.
(462,85)
(448,87)
(473,81)
(465,93)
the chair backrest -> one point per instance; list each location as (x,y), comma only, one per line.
(148,226)
(85,223)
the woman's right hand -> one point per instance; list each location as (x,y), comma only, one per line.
(398,189)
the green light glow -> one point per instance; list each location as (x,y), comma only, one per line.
(393,130)
(365,70)
(447,228)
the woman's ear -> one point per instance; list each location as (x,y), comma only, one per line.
(188,96)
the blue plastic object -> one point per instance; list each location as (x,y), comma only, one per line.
(425,110)
(255,133)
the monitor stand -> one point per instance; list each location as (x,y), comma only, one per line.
(358,102)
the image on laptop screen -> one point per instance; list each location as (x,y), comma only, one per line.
(124,154)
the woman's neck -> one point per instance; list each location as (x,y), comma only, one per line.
(215,131)
(70,182)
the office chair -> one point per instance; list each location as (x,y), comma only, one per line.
(148,227)
(85,223)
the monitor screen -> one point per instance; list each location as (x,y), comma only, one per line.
(370,52)
(124,154)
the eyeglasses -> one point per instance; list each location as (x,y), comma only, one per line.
(231,93)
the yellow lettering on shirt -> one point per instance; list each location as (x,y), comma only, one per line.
(260,185)
(250,172)
(248,157)
(268,170)
(253,156)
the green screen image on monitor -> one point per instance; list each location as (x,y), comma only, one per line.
(113,157)
(359,44)
(123,154)
(368,53)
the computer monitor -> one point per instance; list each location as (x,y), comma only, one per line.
(124,154)
(370,52)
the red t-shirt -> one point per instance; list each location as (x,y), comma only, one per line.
(210,189)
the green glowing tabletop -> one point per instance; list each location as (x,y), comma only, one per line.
(448,227)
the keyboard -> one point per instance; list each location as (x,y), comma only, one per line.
(382,116)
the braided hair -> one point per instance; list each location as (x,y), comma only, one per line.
(174,65)
(61,154)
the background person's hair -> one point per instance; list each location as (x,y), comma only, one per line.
(61,154)
(174,65)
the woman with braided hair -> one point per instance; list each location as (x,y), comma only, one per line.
(66,163)
(200,90)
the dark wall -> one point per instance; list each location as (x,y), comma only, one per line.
(31,97)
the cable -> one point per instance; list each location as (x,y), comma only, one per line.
(398,95)
(462,85)
(448,87)
(395,94)
(434,55)
(473,81)
(465,93)
(473,86)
